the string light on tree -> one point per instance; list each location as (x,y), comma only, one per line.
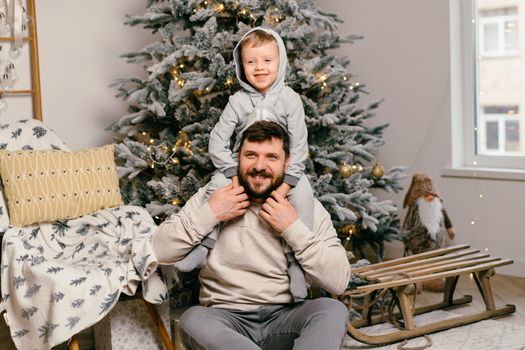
(348,231)
(219,7)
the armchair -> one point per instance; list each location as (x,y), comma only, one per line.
(60,277)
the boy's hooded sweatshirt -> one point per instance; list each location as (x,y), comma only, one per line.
(279,104)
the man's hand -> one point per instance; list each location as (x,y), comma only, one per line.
(278,212)
(228,202)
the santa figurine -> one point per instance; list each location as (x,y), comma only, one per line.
(426,221)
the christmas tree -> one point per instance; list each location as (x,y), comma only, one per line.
(162,142)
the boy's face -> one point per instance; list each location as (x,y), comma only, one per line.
(261,65)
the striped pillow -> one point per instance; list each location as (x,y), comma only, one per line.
(54,185)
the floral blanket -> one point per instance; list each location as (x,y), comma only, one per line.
(60,278)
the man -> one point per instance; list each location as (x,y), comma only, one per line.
(245,294)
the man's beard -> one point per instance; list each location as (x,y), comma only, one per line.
(252,193)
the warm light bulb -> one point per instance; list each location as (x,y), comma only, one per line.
(472,222)
(481,195)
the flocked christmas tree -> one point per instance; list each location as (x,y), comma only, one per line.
(162,150)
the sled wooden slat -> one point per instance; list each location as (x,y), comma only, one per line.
(409,258)
(419,264)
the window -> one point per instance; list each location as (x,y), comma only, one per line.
(499,128)
(488,84)
(498,31)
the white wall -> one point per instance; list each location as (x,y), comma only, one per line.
(404,58)
(79,45)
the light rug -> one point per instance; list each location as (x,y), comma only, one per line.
(483,335)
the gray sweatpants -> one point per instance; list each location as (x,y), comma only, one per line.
(312,324)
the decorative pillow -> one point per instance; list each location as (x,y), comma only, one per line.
(25,134)
(54,185)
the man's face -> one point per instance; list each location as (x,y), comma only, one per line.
(261,167)
(261,65)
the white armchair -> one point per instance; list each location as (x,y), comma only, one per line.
(58,278)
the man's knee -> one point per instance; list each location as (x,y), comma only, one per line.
(332,310)
(192,319)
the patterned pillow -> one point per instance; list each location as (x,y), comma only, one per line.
(51,185)
(25,134)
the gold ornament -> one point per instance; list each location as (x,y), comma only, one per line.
(345,170)
(378,170)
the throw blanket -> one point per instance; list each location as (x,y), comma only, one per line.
(60,278)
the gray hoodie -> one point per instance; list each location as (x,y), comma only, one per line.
(279,104)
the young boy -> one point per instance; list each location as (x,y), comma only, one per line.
(260,60)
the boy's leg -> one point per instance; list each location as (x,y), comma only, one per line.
(313,324)
(296,274)
(301,197)
(197,256)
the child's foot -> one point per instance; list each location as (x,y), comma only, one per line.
(196,258)
(297,281)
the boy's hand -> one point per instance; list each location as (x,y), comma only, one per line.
(228,202)
(278,212)
(284,189)
(235,181)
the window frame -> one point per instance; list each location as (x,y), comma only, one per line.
(464,92)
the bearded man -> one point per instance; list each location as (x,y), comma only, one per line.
(245,298)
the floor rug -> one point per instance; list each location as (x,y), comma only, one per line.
(484,335)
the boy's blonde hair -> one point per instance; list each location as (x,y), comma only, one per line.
(256,39)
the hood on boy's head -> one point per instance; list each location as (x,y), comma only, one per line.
(283,61)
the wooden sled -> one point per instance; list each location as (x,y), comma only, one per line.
(398,277)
